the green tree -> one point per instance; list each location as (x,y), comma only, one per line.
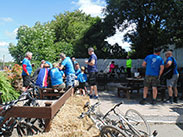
(154,22)
(38,39)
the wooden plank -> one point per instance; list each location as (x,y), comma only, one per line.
(29,112)
(58,104)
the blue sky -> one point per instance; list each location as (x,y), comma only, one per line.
(14,13)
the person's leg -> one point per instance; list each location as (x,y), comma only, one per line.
(95,90)
(145,92)
(91,90)
(155,91)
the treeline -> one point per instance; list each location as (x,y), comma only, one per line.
(157,23)
(72,33)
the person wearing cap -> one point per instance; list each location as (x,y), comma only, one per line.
(42,79)
(154,68)
(69,71)
(27,70)
(92,70)
(56,77)
(172,81)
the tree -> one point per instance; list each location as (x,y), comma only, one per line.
(38,39)
(153,21)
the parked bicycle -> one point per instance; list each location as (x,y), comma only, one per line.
(132,124)
(104,125)
(23,126)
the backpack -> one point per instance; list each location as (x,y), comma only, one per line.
(168,72)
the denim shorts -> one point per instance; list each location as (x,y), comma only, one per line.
(70,80)
(173,81)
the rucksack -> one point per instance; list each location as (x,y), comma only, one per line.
(168,72)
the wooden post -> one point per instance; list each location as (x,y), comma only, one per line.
(47,121)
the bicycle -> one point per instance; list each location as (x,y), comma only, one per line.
(132,122)
(23,126)
(104,125)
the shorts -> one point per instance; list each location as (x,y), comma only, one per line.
(151,81)
(26,80)
(92,80)
(173,81)
(70,80)
(61,86)
(82,85)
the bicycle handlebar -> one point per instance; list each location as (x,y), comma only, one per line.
(113,109)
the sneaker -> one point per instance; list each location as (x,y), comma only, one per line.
(175,100)
(95,97)
(143,102)
(91,96)
(170,100)
(153,102)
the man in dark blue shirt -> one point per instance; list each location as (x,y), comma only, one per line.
(92,70)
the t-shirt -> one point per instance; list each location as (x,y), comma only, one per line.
(153,64)
(69,68)
(175,63)
(27,62)
(42,80)
(94,67)
(77,72)
(82,77)
(56,76)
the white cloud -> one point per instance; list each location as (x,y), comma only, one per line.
(3,43)
(5,52)
(94,8)
(12,35)
(6,19)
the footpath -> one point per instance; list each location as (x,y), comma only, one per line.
(160,113)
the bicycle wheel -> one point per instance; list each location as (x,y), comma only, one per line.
(137,124)
(112,131)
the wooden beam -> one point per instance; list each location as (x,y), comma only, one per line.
(29,112)
(58,104)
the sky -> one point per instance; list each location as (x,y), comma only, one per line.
(14,13)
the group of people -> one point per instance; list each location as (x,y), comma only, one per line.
(156,68)
(62,75)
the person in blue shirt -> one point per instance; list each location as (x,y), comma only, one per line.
(27,70)
(82,78)
(172,82)
(92,70)
(154,68)
(77,69)
(56,77)
(69,71)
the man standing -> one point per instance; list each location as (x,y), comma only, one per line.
(27,70)
(154,68)
(172,82)
(128,66)
(69,71)
(92,69)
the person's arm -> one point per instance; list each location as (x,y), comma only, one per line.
(161,70)
(91,63)
(61,67)
(144,64)
(168,64)
(24,69)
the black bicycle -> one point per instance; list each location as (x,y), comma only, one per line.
(23,126)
